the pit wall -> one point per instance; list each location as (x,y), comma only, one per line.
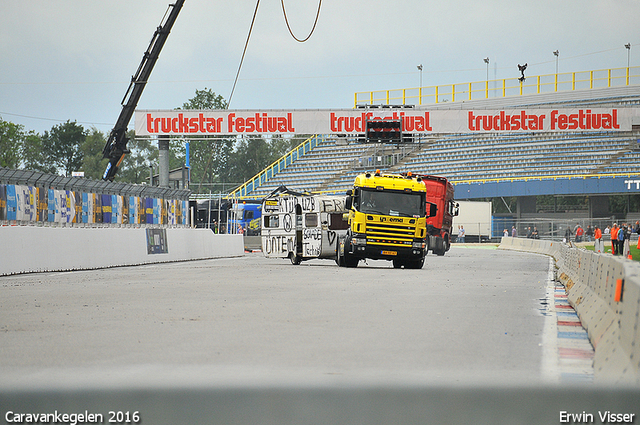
(25,249)
(605,292)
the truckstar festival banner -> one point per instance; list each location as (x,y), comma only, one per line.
(353,121)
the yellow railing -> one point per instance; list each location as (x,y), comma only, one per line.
(549,177)
(568,81)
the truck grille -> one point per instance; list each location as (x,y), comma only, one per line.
(396,234)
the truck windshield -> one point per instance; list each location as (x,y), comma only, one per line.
(400,204)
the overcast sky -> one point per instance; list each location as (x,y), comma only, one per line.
(73,59)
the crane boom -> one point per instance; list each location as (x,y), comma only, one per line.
(116,146)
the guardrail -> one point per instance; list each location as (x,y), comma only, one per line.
(605,292)
(549,83)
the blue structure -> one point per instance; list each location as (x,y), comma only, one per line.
(566,186)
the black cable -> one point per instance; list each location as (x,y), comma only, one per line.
(312,29)
(243,53)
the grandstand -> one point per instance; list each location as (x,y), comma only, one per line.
(332,163)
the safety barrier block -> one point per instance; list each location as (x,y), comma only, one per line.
(595,315)
(611,364)
(613,324)
(629,317)
(584,267)
(608,291)
(602,272)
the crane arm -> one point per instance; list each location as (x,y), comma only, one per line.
(116,146)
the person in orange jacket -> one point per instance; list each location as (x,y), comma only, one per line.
(598,245)
(614,238)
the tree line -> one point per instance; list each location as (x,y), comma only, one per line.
(215,162)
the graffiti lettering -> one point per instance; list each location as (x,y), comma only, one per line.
(308,203)
(313,233)
(331,236)
(278,244)
(311,250)
(287,223)
(333,205)
(286,204)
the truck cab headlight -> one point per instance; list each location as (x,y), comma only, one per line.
(419,245)
(359,241)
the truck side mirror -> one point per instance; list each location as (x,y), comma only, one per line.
(433,209)
(456,210)
(348,202)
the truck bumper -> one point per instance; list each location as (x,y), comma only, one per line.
(377,252)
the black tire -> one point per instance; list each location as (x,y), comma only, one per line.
(416,264)
(339,257)
(295,260)
(350,260)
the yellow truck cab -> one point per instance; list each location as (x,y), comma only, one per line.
(387,221)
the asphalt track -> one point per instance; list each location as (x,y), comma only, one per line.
(473,315)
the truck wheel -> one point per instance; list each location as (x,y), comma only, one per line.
(339,257)
(416,264)
(350,260)
(295,259)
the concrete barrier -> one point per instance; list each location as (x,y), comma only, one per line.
(605,292)
(25,249)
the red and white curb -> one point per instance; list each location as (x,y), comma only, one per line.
(567,351)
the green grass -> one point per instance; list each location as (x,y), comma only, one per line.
(635,252)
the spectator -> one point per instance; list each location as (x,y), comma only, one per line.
(529,232)
(567,235)
(626,241)
(514,232)
(589,233)
(598,246)
(614,238)
(461,234)
(505,233)
(579,233)
(535,234)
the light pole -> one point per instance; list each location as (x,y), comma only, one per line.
(628,47)
(420,88)
(486,61)
(557,55)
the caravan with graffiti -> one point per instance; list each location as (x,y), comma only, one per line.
(302,226)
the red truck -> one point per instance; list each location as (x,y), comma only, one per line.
(440,192)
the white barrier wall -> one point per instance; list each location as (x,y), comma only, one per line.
(605,292)
(25,249)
